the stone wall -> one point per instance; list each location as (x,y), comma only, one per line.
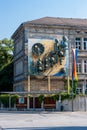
(79,104)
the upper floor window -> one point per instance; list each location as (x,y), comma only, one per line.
(85,66)
(78,43)
(19,88)
(85,43)
(18,67)
(79,66)
(18,46)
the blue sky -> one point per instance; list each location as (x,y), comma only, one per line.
(14,12)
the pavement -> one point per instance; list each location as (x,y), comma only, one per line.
(42,120)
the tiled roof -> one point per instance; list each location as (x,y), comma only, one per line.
(60,21)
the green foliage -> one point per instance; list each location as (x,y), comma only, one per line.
(4,98)
(6,65)
(80,94)
(72,94)
(14,99)
(6,78)
(55,97)
(75,85)
(41,98)
(6,52)
(64,95)
(65,84)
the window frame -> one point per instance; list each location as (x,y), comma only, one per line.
(79,70)
(85,42)
(78,43)
(85,66)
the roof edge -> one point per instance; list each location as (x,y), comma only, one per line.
(20,26)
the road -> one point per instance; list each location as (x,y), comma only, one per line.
(37,120)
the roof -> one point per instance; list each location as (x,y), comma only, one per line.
(55,21)
(59,21)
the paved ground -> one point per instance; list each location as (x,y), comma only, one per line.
(43,120)
(50,128)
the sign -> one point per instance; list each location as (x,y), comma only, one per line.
(21,100)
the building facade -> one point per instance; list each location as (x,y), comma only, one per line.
(49,28)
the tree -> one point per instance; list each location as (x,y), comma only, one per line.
(6,78)
(6,65)
(6,52)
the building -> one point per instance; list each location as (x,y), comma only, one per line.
(49,28)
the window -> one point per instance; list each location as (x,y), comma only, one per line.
(79,66)
(79,90)
(78,43)
(19,88)
(19,67)
(86,89)
(85,43)
(85,66)
(18,46)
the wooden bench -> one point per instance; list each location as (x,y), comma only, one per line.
(49,105)
(21,105)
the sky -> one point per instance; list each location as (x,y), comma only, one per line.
(15,12)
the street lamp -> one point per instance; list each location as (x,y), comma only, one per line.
(84,93)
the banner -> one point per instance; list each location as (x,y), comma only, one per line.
(48,57)
(74,64)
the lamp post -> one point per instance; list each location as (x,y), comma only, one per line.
(72,77)
(84,93)
(73,69)
(72,94)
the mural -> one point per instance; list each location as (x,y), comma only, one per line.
(48,57)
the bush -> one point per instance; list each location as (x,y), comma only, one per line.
(4,98)
(55,97)
(41,98)
(64,95)
(14,99)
